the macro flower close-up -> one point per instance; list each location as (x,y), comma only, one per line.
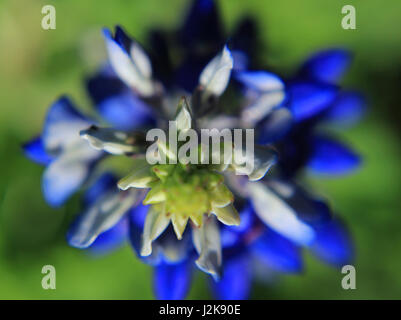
(211,149)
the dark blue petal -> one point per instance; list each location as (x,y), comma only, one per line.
(172,281)
(244,39)
(118,38)
(333,244)
(116,103)
(187,74)
(125,112)
(202,24)
(111,239)
(277,252)
(307,99)
(235,283)
(122,38)
(347,109)
(137,218)
(160,56)
(102,185)
(36,152)
(327,66)
(104,85)
(330,157)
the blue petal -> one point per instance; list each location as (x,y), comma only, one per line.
(277,252)
(172,281)
(276,126)
(202,24)
(327,66)
(232,235)
(103,184)
(137,218)
(307,99)
(104,85)
(333,244)
(125,112)
(62,125)
(36,152)
(330,157)
(347,109)
(235,283)
(116,103)
(241,60)
(111,239)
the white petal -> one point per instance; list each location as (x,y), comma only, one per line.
(128,69)
(261,80)
(113,141)
(156,222)
(101,216)
(206,240)
(263,105)
(140,177)
(227,215)
(141,59)
(183,118)
(215,76)
(278,215)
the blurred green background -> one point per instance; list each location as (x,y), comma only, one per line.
(36,66)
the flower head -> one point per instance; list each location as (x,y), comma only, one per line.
(222,215)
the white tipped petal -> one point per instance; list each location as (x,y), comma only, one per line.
(264,105)
(179,223)
(141,60)
(155,223)
(100,216)
(140,177)
(278,215)
(261,80)
(227,215)
(183,118)
(207,243)
(112,141)
(129,68)
(216,75)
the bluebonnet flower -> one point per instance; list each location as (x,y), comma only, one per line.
(136,91)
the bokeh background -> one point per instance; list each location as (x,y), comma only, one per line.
(36,66)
